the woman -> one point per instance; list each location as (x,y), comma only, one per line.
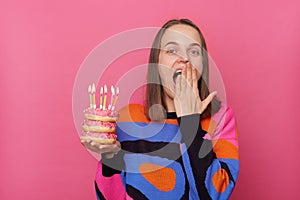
(165,152)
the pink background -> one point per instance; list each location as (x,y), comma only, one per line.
(255,44)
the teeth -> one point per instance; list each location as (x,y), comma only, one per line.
(177,73)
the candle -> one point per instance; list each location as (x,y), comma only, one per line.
(94,98)
(105,92)
(116,99)
(90,91)
(101,93)
(112,97)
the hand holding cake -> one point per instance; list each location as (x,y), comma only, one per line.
(99,126)
(108,150)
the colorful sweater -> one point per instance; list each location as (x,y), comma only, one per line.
(177,159)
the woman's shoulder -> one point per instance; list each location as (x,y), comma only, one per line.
(133,113)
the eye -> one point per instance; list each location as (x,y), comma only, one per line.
(194,52)
(171,51)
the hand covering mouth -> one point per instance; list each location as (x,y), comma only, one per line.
(177,73)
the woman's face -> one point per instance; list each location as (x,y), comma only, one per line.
(180,46)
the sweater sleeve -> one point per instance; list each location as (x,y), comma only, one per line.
(109,178)
(214,161)
(110,175)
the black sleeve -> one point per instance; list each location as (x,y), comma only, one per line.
(200,151)
(113,165)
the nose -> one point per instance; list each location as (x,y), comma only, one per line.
(183,58)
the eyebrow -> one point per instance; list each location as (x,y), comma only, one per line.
(171,43)
(196,44)
(175,43)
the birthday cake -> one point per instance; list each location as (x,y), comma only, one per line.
(99,124)
(101,115)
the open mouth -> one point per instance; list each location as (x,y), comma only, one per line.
(177,73)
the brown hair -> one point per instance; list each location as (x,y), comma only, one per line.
(154,89)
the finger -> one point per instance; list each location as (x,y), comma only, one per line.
(92,148)
(109,148)
(90,145)
(177,85)
(209,98)
(183,73)
(195,82)
(84,142)
(189,75)
(83,139)
(183,79)
(206,101)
